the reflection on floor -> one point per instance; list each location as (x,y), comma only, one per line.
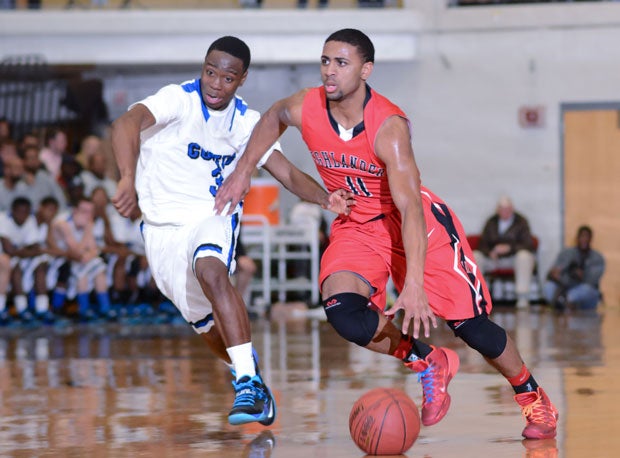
(155,390)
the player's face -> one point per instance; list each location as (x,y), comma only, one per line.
(583,240)
(343,70)
(20,214)
(221,75)
(48,212)
(83,214)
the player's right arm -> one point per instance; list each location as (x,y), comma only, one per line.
(125,135)
(282,114)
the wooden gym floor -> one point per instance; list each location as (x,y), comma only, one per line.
(127,391)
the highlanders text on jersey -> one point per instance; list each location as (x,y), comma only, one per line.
(350,164)
(180,168)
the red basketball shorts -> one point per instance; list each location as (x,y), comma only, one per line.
(374,250)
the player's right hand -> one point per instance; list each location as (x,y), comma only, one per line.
(125,199)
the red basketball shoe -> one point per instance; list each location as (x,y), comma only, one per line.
(435,372)
(540,414)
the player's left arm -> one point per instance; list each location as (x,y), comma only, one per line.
(305,187)
(393,147)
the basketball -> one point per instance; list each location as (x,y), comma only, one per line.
(384,421)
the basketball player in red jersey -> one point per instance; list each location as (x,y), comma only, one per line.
(361,141)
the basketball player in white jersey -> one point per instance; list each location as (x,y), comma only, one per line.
(174,149)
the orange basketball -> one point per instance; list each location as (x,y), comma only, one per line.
(384,421)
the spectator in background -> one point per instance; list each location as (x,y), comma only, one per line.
(8,149)
(29,139)
(506,242)
(5,129)
(39,182)
(72,235)
(52,153)
(94,177)
(21,240)
(70,178)
(12,185)
(113,252)
(90,145)
(574,278)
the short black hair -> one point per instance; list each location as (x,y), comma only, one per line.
(355,38)
(233,46)
(49,200)
(20,202)
(584,228)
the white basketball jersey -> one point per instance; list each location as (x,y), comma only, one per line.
(20,236)
(188,153)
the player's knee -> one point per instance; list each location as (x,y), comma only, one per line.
(350,316)
(481,334)
(211,272)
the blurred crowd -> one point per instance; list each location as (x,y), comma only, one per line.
(65,252)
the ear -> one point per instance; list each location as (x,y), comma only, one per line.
(367,70)
(243,78)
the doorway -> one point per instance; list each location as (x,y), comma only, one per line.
(591,183)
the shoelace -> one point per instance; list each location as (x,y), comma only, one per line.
(247,392)
(427,379)
(538,412)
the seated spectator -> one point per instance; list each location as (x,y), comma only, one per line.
(90,145)
(5,129)
(94,176)
(70,178)
(72,234)
(506,242)
(39,182)
(55,149)
(29,139)
(140,284)
(113,252)
(574,278)
(12,185)
(21,240)
(8,150)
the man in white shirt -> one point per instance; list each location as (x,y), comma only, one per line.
(174,149)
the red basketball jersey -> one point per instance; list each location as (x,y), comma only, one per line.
(351,164)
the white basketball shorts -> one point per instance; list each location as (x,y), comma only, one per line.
(172,252)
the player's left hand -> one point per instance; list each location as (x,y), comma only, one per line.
(232,191)
(341,201)
(413,301)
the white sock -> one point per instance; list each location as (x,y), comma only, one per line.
(41,303)
(242,359)
(2,302)
(21,303)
